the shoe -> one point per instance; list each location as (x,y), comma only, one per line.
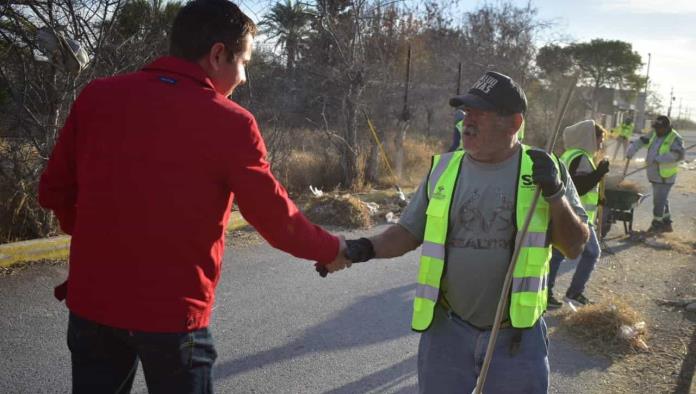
(553,303)
(667,227)
(577,301)
(656,227)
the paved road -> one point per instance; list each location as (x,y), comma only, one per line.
(279,328)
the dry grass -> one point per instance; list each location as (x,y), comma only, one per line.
(302,169)
(665,241)
(344,211)
(418,155)
(319,166)
(678,243)
(599,326)
(417,158)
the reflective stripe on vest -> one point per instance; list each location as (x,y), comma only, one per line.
(667,170)
(529,295)
(590,199)
(441,182)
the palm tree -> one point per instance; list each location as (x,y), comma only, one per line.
(288,23)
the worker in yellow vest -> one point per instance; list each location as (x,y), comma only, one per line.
(465,215)
(665,151)
(623,134)
(582,141)
(459,116)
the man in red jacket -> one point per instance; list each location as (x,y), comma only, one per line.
(143,176)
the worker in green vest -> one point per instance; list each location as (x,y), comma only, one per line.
(665,151)
(623,134)
(465,215)
(459,116)
(582,141)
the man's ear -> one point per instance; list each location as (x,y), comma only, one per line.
(217,56)
(516,122)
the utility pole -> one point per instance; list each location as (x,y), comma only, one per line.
(459,79)
(642,103)
(671,98)
(680,107)
(647,75)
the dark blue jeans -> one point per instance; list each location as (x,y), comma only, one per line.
(105,359)
(451,353)
(586,264)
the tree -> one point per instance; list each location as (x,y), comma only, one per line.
(289,24)
(38,86)
(554,60)
(605,63)
(502,38)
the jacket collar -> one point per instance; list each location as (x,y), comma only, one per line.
(175,65)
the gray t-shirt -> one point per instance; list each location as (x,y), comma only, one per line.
(480,235)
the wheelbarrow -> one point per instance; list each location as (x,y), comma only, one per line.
(618,206)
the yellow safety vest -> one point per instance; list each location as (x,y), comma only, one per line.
(667,170)
(590,199)
(624,130)
(529,293)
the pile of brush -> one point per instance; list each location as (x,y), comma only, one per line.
(608,327)
(339,210)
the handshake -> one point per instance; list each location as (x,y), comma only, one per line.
(350,251)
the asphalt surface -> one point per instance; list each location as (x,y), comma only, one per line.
(278,327)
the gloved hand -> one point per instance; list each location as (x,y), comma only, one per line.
(359,250)
(544,172)
(645,139)
(602,167)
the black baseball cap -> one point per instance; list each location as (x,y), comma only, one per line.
(662,121)
(494,92)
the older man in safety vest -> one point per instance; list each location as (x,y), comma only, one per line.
(466,214)
(665,151)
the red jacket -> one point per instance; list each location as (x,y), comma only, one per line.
(143,176)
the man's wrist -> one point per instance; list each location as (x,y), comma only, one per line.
(359,250)
(557,195)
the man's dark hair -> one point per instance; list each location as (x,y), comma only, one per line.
(202,23)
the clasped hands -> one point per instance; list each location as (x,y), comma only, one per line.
(350,251)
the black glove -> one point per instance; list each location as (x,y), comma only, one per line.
(359,250)
(602,167)
(645,139)
(544,172)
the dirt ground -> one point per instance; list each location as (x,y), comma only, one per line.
(655,276)
(652,275)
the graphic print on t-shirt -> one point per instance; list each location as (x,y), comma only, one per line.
(484,220)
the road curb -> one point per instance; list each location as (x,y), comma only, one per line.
(54,248)
(58,248)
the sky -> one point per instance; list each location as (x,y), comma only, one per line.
(664,29)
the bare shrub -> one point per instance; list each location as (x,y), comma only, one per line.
(20,215)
